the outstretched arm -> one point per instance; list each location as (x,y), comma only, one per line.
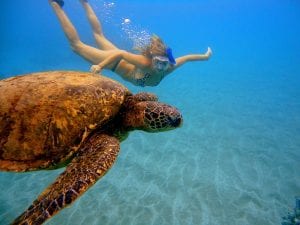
(117,55)
(195,57)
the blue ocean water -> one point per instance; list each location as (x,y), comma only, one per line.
(236,160)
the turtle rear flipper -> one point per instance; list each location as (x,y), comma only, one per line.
(93,160)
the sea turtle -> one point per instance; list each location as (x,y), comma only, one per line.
(73,119)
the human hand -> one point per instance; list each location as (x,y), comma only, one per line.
(208,52)
(95,69)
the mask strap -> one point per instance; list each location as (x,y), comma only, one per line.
(170,56)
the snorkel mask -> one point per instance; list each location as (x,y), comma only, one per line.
(161,63)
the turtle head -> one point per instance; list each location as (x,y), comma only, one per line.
(150,115)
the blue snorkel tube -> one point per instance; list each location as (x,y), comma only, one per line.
(170,56)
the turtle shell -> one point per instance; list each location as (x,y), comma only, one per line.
(45,117)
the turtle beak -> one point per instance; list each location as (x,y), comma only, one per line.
(176,121)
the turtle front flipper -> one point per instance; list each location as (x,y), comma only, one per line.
(92,161)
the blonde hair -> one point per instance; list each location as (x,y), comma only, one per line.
(156,47)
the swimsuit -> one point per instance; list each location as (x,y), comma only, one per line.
(141,81)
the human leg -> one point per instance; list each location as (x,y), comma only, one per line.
(66,24)
(89,53)
(101,40)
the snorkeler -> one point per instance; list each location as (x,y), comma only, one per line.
(145,69)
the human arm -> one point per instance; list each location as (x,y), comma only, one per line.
(193,57)
(117,55)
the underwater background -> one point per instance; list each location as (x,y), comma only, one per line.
(236,160)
